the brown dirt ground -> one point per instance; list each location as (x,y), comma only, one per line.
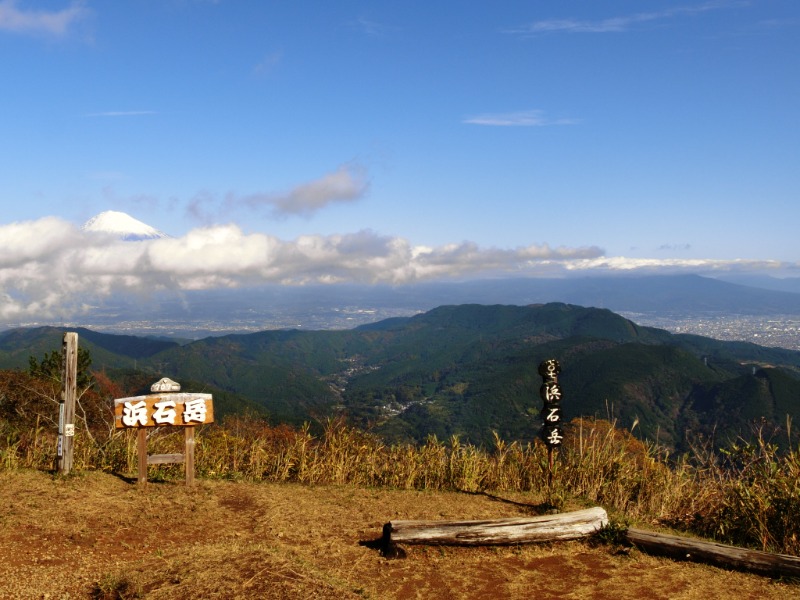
(97,535)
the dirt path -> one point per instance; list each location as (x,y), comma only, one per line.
(97,534)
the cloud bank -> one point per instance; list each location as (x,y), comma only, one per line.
(49,268)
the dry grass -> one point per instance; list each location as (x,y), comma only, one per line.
(97,535)
(747,495)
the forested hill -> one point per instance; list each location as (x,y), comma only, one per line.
(467,370)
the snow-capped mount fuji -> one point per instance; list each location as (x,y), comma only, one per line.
(123,226)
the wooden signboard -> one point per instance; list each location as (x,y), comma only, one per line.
(167,406)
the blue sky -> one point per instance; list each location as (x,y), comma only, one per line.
(387,141)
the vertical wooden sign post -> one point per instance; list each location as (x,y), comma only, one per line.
(66,412)
(165,407)
(550,392)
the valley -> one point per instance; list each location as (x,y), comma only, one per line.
(465,370)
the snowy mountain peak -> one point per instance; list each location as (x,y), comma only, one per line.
(123,226)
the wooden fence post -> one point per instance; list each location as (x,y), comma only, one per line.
(66,421)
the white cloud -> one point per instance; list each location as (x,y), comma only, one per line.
(347,184)
(371,27)
(56,22)
(268,64)
(666,265)
(525,118)
(122,113)
(674,247)
(617,24)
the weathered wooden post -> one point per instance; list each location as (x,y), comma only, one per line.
(166,406)
(550,392)
(141,451)
(66,412)
(189,454)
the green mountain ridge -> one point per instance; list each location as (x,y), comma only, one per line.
(469,370)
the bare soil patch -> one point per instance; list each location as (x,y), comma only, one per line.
(96,535)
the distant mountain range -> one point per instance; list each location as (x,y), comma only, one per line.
(653,293)
(199,313)
(786,284)
(467,370)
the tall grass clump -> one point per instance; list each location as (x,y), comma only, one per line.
(757,499)
(610,466)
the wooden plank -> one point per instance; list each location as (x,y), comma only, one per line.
(142,411)
(721,555)
(164,459)
(520,530)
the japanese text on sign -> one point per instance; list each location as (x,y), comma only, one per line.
(164,409)
(551,392)
(552,432)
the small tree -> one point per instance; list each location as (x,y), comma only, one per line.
(50,368)
(91,407)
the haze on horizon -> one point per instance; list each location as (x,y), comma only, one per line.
(338,142)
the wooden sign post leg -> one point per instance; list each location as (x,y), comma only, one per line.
(141,446)
(188,456)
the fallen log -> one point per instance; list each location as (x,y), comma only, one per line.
(721,555)
(520,530)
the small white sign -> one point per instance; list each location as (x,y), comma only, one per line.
(69,429)
(165,385)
